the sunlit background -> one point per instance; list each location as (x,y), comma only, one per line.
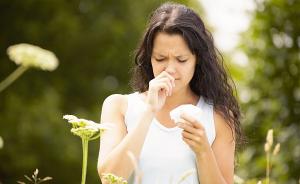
(94,41)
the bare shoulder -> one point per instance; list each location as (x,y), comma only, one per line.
(112,112)
(117,102)
(222,126)
(224,147)
(115,98)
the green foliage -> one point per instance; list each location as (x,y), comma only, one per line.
(94,42)
(112,179)
(271,93)
(35,179)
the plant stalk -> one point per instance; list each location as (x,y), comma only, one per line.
(85,145)
(12,77)
(268,168)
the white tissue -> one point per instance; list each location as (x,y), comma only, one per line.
(189,109)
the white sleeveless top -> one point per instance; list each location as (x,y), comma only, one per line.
(165,157)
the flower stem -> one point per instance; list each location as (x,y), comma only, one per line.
(268,168)
(85,145)
(95,137)
(12,77)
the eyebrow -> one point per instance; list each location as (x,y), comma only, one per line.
(178,56)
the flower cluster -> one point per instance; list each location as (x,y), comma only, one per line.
(268,147)
(32,56)
(112,179)
(86,128)
(35,179)
(269,143)
(1,142)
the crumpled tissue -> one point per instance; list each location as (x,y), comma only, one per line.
(189,109)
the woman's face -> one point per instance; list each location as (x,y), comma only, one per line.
(172,54)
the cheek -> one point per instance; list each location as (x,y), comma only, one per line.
(193,72)
(189,73)
(157,68)
(154,69)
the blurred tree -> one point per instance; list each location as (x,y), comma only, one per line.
(94,41)
(271,89)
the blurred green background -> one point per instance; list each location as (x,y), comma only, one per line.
(94,41)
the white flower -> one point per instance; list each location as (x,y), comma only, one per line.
(269,137)
(187,108)
(86,132)
(185,175)
(238,179)
(267,147)
(77,122)
(32,56)
(81,122)
(1,142)
(69,117)
(86,128)
(276,149)
(113,179)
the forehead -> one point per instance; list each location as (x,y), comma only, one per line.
(165,44)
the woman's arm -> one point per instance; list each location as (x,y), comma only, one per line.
(215,164)
(115,143)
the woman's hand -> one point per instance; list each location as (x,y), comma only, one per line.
(159,88)
(193,134)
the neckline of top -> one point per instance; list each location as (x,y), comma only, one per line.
(198,104)
(161,126)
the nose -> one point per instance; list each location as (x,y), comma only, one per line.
(170,68)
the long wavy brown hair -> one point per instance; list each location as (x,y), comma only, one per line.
(210,79)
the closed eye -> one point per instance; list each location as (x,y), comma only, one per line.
(159,60)
(182,61)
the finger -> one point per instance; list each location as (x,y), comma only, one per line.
(182,121)
(190,142)
(156,84)
(166,74)
(193,133)
(187,127)
(192,120)
(190,136)
(163,87)
(171,78)
(167,81)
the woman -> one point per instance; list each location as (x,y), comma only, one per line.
(176,63)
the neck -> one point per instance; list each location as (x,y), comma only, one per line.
(186,96)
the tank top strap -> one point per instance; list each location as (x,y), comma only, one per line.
(134,107)
(208,118)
